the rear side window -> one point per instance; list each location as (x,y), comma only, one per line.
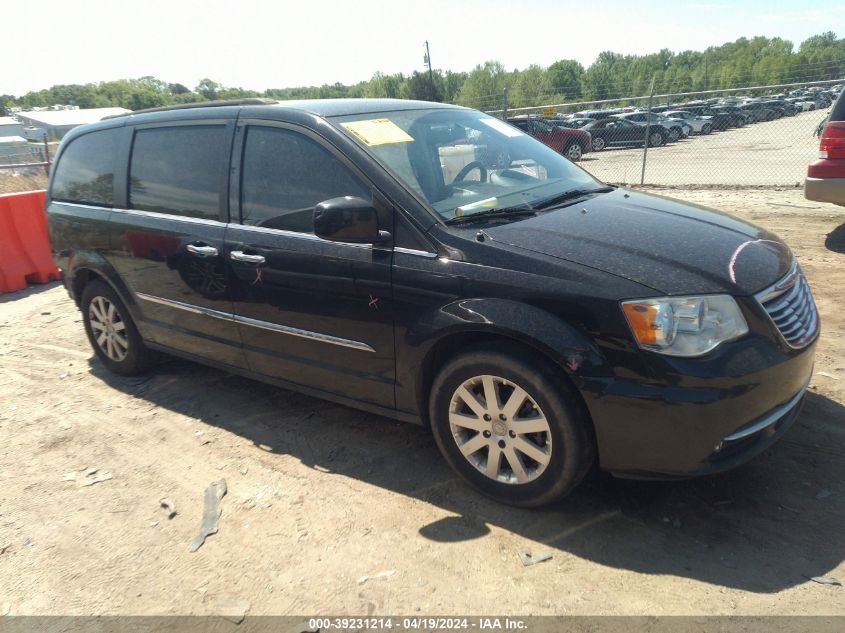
(177,170)
(285,175)
(85,172)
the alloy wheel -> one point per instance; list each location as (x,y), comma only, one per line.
(108,328)
(500,429)
(574,152)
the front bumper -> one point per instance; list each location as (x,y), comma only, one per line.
(702,422)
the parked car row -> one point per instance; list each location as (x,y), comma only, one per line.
(573,135)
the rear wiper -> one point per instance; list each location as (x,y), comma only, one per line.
(492,214)
(569,195)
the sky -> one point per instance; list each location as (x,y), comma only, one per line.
(257,44)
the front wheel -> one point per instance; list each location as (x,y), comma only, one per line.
(598,143)
(513,430)
(655,140)
(707,129)
(674,134)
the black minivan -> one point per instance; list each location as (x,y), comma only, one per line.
(434,264)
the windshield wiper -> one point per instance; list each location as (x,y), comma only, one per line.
(492,214)
(569,195)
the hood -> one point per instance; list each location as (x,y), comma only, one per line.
(674,247)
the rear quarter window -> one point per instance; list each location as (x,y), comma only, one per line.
(85,171)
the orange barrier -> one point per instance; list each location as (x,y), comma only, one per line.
(24,247)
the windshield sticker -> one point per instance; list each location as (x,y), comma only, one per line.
(501,126)
(378,132)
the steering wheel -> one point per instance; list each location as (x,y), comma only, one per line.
(476,164)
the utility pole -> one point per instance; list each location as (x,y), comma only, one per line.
(705,70)
(427,61)
(647,130)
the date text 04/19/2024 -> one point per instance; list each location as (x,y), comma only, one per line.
(426,623)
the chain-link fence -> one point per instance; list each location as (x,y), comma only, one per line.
(24,166)
(20,156)
(751,136)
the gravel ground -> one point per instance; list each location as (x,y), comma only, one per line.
(330,510)
(766,153)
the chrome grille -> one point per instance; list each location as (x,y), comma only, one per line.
(790,305)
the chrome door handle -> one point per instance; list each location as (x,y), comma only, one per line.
(240,256)
(202,251)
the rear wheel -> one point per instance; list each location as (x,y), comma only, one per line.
(655,139)
(111,331)
(513,430)
(707,128)
(574,151)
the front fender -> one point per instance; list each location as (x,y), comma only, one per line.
(529,324)
(552,336)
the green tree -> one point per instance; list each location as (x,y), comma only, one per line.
(528,88)
(563,79)
(208,89)
(6,102)
(423,87)
(483,86)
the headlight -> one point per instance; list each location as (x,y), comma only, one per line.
(684,326)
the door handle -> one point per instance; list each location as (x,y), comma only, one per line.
(240,256)
(202,250)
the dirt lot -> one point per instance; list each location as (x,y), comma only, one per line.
(765,153)
(330,510)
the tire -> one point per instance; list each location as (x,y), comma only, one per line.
(562,442)
(574,151)
(707,129)
(112,333)
(598,143)
(655,139)
(674,134)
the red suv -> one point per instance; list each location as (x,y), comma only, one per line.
(570,142)
(826,177)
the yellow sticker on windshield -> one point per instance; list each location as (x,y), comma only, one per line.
(378,132)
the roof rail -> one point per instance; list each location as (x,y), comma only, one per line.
(200,104)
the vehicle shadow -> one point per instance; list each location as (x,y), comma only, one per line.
(835,240)
(762,528)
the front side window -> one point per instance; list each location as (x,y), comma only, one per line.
(85,172)
(177,170)
(461,161)
(285,175)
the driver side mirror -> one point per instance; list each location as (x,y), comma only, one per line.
(348,219)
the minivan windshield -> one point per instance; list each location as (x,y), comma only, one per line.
(464,161)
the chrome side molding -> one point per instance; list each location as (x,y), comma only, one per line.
(265,325)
